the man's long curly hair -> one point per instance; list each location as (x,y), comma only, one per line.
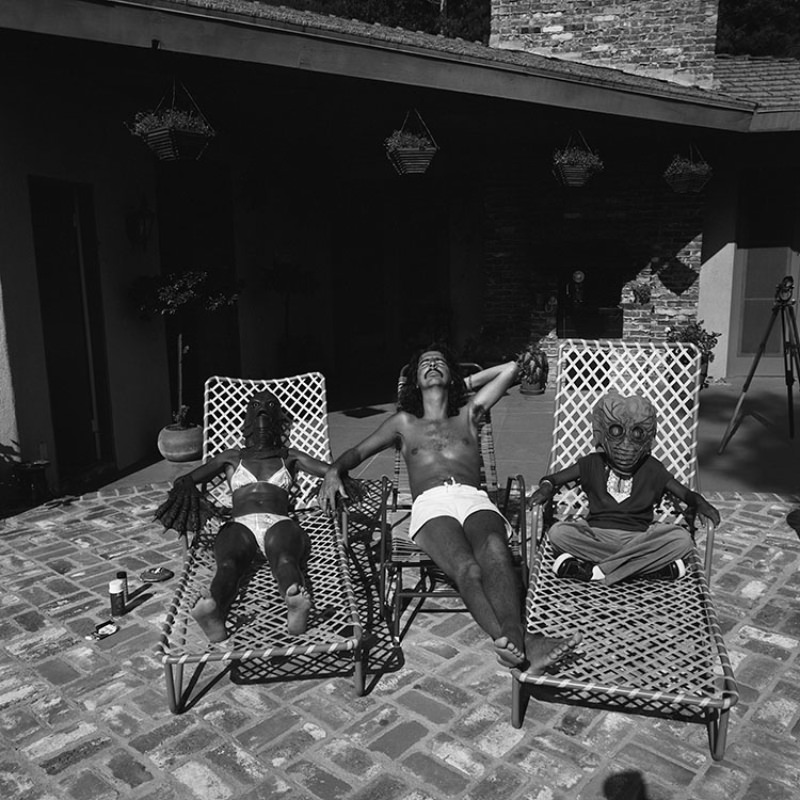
(409,397)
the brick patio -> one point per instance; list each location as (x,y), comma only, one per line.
(89,720)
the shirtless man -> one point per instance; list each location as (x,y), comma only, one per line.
(452,519)
(259,475)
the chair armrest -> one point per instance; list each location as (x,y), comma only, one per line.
(522,521)
(536,534)
(708,555)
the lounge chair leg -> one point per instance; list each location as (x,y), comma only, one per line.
(717,726)
(173,673)
(517,702)
(359,670)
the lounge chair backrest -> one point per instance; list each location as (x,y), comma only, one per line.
(667,374)
(303,400)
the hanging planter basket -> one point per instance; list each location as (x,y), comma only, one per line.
(176,130)
(411,148)
(575,164)
(688,175)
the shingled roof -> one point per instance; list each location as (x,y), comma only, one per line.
(327,24)
(770,82)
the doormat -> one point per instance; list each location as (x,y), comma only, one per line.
(364,411)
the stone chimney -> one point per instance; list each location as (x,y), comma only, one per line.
(669,39)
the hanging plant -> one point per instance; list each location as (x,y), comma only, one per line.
(176,129)
(575,164)
(412,147)
(688,174)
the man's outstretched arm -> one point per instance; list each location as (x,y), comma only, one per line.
(333,483)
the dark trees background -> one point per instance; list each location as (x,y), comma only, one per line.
(746,27)
(759,28)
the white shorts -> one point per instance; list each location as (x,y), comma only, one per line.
(451,500)
(259,524)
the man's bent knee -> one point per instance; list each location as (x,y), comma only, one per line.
(469,571)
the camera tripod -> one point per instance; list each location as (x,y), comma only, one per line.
(784,305)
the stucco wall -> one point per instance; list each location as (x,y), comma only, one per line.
(9,437)
(715,305)
(51,128)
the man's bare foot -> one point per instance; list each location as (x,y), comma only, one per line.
(508,654)
(298,605)
(207,614)
(545,651)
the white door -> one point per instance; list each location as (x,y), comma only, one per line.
(757,273)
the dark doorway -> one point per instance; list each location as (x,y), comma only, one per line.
(69,295)
(196,234)
(589,294)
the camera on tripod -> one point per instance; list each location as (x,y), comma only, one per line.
(783,306)
(784,290)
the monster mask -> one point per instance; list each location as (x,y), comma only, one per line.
(624,427)
(263,422)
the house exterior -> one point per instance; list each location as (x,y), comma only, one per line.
(342,265)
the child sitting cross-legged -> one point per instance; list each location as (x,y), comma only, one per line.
(619,539)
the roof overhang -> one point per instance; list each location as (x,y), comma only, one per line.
(194,30)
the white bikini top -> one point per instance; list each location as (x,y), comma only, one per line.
(243,477)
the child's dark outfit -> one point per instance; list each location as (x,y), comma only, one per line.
(619,535)
(618,539)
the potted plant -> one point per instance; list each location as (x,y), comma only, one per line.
(688,174)
(575,164)
(641,292)
(411,148)
(173,295)
(176,129)
(533,370)
(692,331)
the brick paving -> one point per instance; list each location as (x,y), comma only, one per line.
(89,720)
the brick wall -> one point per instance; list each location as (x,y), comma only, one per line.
(630,231)
(669,39)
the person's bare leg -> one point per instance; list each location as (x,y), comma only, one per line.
(287,546)
(486,534)
(234,550)
(445,541)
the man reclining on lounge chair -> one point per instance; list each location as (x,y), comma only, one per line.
(622,482)
(452,518)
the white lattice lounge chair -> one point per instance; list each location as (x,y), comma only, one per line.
(257,620)
(649,647)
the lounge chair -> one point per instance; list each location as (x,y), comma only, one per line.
(401,558)
(650,647)
(257,620)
